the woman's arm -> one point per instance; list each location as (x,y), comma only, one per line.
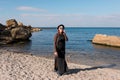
(55,41)
(66,38)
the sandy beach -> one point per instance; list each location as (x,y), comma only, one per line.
(22,66)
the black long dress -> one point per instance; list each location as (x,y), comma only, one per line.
(60,62)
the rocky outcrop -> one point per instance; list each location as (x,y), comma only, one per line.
(20,33)
(14,31)
(2,27)
(106,40)
(36,29)
(20,24)
(11,23)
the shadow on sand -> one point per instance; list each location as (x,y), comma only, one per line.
(73,71)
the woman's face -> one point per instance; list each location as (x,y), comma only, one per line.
(61,29)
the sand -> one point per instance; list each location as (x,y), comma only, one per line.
(21,66)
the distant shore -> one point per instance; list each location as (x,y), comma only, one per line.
(77,27)
(17,65)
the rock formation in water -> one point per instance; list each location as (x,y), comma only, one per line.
(14,31)
(106,40)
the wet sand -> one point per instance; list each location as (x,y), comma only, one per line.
(24,66)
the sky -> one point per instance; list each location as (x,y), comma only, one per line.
(71,13)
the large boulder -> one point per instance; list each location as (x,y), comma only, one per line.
(20,24)
(20,33)
(106,40)
(14,31)
(2,27)
(11,23)
(5,37)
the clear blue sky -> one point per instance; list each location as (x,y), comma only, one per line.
(46,13)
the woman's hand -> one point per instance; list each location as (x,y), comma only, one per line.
(56,54)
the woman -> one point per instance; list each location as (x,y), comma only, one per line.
(59,50)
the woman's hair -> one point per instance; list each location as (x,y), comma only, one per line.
(61,25)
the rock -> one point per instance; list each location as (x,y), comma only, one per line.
(5,37)
(14,31)
(29,27)
(20,24)
(106,40)
(11,23)
(35,29)
(20,33)
(4,34)
(2,27)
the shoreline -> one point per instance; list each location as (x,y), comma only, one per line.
(18,65)
(94,59)
(84,58)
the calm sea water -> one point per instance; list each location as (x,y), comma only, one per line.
(78,46)
(79,39)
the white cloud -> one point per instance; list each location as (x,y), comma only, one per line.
(79,20)
(49,15)
(38,15)
(27,8)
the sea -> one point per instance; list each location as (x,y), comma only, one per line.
(79,47)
